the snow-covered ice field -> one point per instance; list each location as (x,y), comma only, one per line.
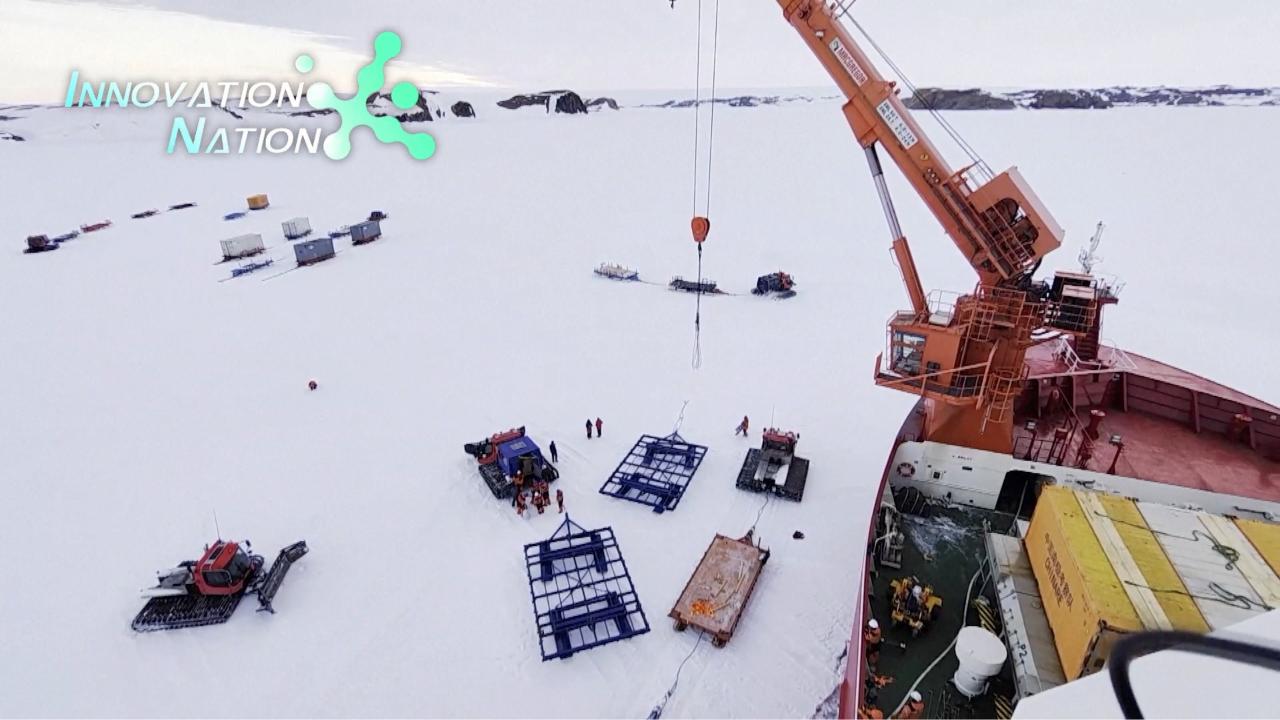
(139,395)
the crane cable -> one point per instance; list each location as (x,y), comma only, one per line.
(700,230)
(656,712)
(928,106)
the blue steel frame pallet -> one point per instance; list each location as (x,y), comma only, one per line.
(582,593)
(656,471)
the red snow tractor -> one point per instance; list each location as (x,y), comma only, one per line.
(503,455)
(207,591)
(762,469)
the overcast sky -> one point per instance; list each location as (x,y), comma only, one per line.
(636,44)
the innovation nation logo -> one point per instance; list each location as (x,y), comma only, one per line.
(353,112)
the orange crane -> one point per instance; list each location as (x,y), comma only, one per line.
(964,358)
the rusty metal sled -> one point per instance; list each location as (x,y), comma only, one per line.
(721,585)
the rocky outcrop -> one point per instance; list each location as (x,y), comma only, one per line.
(571,103)
(424,110)
(1069,100)
(462,109)
(11,136)
(602,102)
(563,101)
(312,113)
(971,99)
(740,101)
(515,102)
(1092,98)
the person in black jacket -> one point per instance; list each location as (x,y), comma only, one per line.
(555,456)
(589,428)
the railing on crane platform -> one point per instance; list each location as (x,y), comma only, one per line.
(955,385)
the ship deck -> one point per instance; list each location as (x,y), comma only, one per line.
(1163,451)
(1175,426)
(944,550)
(1043,361)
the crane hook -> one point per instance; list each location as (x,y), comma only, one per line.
(700,226)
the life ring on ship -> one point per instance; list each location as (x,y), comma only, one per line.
(906,469)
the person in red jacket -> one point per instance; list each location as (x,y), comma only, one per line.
(742,427)
(560,499)
(520,505)
(518,481)
(599,427)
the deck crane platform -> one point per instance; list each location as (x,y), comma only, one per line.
(965,357)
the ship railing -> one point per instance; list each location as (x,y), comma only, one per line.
(1120,360)
(1108,286)
(942,306)
(1069,356)
(967,381)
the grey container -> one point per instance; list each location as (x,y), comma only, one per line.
(365,232)
(313,251)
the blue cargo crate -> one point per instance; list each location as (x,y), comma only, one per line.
(313,251)
(365,232)
(582,593)
(656,471)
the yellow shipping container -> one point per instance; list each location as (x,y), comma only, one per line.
(1087,606)
(1265,538)
(1107,565)
(257,202)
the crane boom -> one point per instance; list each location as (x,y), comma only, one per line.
(965,359)
(997,222)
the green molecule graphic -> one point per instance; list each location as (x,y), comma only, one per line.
(404,95)
(355,113)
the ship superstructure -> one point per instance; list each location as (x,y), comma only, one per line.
(1026,422)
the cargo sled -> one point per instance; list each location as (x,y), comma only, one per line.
(613,271)
(700,286)
(716,595)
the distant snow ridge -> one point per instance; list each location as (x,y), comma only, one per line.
(1092,99)
(741,101)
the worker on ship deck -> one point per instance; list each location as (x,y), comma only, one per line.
(871,639)
(915,601)
(913,709)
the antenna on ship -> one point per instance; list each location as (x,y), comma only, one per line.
(1089,256)
(215,524)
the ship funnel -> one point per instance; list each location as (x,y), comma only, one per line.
(981,656)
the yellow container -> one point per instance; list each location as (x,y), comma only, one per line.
(1108,565)
(1087,607)
(1265,538)
(257,202)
